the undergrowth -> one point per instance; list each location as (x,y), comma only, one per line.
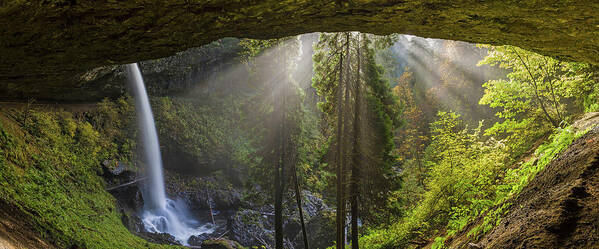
(485,210)
(514,181)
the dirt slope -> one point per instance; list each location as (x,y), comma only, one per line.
(558,209)
(15,233)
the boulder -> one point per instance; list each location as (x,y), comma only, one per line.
(114,167)
(160,238)
(196,240)
(221,244)
(132,221)
(204,192)
(587,121)
(318,217)
(252,228)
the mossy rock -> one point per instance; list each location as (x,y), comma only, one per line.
(221,244)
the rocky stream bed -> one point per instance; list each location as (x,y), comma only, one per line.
(239,214)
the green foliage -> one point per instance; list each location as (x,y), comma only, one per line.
(115,121)
(327,58)
(464,172)
(539,93)
(311,146)
(381,114)
(467,179)
(591,101)
(336,59)
(514,181)
(49,170)
(206,133)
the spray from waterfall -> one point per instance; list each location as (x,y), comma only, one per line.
(160,214)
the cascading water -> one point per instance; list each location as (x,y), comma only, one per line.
(156,199)
(160,214)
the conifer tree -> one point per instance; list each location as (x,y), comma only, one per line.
(349,79)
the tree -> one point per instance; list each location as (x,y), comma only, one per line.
(465,170)
(329,82)
(355,170)
(361,108)
(379,118)
(410,141)
(281,101)
(538,94)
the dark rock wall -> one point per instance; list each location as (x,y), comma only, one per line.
(47,46)
(172,75)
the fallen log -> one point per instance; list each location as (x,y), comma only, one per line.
(126,184)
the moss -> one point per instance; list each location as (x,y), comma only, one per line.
(49,169)
(204,138)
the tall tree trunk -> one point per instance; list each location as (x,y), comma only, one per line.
(278,195)
(339,171)
(346,133)
(279,167)
(355,169)
(298,199)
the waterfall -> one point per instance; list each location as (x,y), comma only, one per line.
(156,197)
(160,214)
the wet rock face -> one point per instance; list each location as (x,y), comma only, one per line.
(160,238)
(253,226)
(48,46)
(205,192)
(174,75)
